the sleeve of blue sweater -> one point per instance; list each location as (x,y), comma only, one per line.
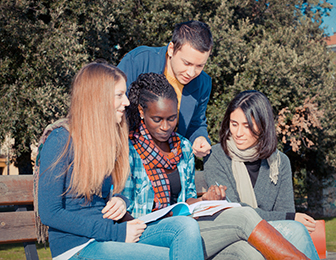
(198,124)
(64,212)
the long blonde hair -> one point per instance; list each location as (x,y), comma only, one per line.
(100,144)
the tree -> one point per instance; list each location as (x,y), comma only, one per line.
(151,22)
(43,44)
(280,53)
(275,47)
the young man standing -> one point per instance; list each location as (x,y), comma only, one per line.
(182,62)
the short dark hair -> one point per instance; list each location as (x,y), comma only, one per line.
(255,105)
(196,33)
(148,87)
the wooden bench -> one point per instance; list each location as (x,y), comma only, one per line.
(18,226)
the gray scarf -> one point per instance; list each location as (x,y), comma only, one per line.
(241,175)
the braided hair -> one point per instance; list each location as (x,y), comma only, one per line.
(148,87)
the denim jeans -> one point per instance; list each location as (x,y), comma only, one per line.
(296,233)
(110,250)
(169,238)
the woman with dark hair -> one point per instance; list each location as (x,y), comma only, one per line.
(84,155)
(162,173)
(255,173)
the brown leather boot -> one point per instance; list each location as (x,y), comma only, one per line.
(271,244)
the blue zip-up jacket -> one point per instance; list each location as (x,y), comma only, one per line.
(195,95)
(72,221)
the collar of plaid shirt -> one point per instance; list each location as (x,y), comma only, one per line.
(155,162)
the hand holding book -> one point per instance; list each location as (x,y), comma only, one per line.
(198,209)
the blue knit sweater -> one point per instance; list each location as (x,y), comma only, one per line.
(72,221)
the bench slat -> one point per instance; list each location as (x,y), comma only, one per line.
(17,227)
(16,189)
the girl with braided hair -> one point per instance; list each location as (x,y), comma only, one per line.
(162,173)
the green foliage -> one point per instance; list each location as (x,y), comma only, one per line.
(151,22)
(273,48)
(283,61)
(42,46)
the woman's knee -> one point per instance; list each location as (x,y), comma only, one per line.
(244,215)
(297,226)
(188,225)
(178,225)
(289,226)
(239,250)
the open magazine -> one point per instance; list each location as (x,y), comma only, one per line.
(198,209)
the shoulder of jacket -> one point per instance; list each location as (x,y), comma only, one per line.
(218,152)
(141,50)
(205,75)
(217,149)
(59,133)
(284,158)
(202,78)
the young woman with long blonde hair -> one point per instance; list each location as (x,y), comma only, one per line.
(80,160)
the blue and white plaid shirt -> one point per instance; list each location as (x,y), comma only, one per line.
(138,188)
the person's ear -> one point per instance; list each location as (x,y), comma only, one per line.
(141,111)
(170,50)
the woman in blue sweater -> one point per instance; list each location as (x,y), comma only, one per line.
(81,159)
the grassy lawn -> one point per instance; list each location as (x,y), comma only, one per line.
(331,234)
(16,251)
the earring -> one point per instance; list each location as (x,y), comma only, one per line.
(141,117)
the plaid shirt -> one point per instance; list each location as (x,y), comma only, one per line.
(138,188)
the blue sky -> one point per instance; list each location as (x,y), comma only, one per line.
(330,21)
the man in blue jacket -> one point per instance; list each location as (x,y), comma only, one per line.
(182,62)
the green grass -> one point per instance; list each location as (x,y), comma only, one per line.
(16,251)
(331,234)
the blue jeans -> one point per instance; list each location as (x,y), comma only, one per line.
(296,233)
(169,238)
(110,250)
